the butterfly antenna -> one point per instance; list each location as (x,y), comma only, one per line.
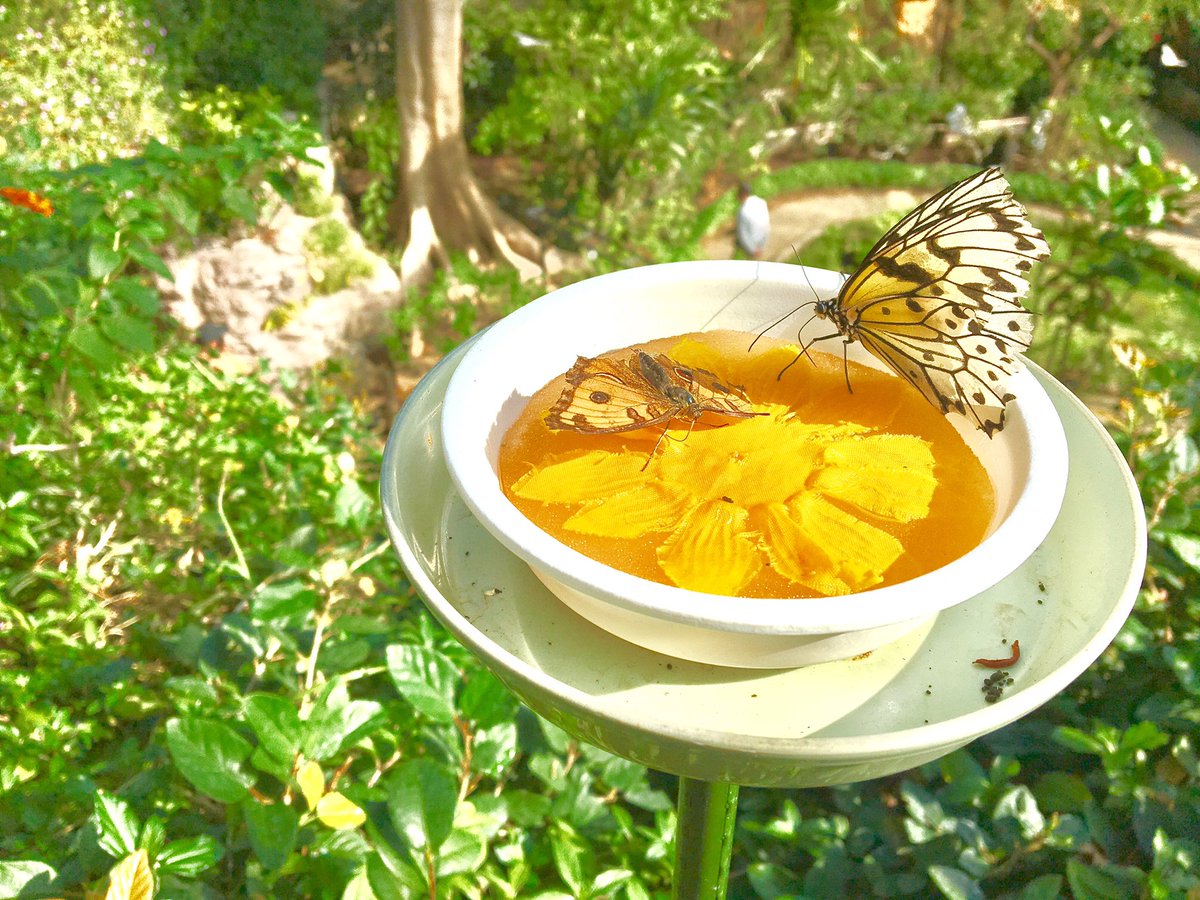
(804,271)
(812,302)
(782,318)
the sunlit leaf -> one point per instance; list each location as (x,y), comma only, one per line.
(312,782)
(131,879)
(335,811)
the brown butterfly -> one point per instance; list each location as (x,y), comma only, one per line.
(605,395)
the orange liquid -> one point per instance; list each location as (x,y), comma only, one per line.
(959,512)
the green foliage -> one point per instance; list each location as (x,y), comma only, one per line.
(1104,275)
(854,70)
(335,260)
(456,303)
(624,107)
(77,283)
(374,144)
(208,652)
(83,80)
(246,45)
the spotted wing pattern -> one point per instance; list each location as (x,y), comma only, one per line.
(938,298)
(605,394)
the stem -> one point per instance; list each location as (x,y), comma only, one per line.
(318,634)
(704,839)
(243,568)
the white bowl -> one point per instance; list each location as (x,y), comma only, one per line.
(522,352)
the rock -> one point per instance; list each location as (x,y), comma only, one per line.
(260,290)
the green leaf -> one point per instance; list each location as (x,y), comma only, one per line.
(386,884)
(88,340)
(179,209)
(527,808)
(240,202)
(116,826)
(276,722)
(27,878)
(150,261)
(422,798)
(102,260)
(129,332)
(1048,887)
(462,851)
(609,879)
(189,857)
(130,293)
(1062,792)
(336,719)
(568,859)
(210,754)
(352,505)
(773,880)
(955,884)
(1156,210)
(965,778)
(1186,547)
(485,700)
(495,749)
(1143,736)
(1088,883)
(359,887)
(152,837)
(272,829)
(1079,741)
(1019,803)
(282,600)
(425,678)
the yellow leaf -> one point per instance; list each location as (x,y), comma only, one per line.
(336,812)
(131,879)
(312,783)
(711,550)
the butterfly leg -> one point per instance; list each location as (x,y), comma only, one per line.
(846,365)
(654,449)
(666,428)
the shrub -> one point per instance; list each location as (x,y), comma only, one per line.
(83,80)
(75,282)
(625,111)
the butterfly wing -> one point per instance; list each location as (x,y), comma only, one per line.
(605,395)
(938,298)
(710,392)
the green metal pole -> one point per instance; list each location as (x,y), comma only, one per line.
(704,839)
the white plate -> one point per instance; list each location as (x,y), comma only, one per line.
(906,703)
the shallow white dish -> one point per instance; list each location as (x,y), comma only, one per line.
(518,355)
(907,703)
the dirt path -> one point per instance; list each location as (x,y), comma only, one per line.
(797,219)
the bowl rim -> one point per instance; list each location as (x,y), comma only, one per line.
(465,431)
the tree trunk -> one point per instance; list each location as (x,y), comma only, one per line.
(439,207)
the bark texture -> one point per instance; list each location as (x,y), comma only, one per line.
(439,206)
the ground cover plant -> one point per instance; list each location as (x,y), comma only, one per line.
(214,678)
